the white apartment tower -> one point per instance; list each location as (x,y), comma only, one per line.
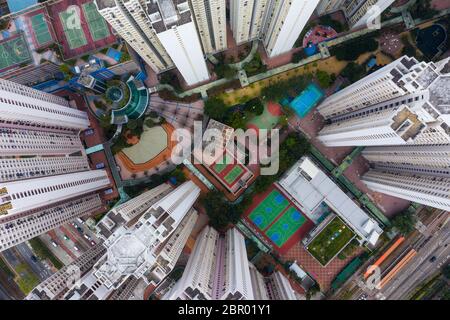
(55,286)
(130,20)
(177,32)
(359,13)
(144,251)
(429,190)
(218,269)
(284,23)
(44,173)
(247,19)
(402,103)
(211,20)
(401,113)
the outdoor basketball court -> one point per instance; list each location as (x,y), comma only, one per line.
(97,25)
(74,33)
(41,30)
(14,51)
(269,209)
(285,226)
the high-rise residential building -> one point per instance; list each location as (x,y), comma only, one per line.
(429,190)
(274,287)
(285,21)
(329,6)
(429,160)
(211,20)
(401,112)
(130,20)
(359,13)
(144,251)
(175,28)
(55,286)
(247,19)
(402,103)
(44,173)
(218,269)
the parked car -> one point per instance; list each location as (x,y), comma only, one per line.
(433,259)
(66,237)
(54,243)
(100,165)
(76,248)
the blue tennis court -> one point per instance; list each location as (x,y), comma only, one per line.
(307,100)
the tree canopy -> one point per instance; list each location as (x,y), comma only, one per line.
(404,222)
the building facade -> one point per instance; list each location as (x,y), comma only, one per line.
(45,179)
(130,20)
(285,21)
(401,114)
(359,13)
(176,30)
(211,21)
(144,251)
(217,269)
(247,19)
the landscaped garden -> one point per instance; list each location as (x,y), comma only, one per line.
(330,241)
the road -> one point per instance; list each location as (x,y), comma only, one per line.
(3,294)
(36,265)
(420,267)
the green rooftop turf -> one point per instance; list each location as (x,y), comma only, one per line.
(233,174)
(330,241)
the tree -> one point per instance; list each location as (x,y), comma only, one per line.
(351,50)
(446,271)
(215,108)
(149,123)
(225,71)
(298,56)
(255,106)
(64,68)
(105,121)
(353,72)
(220,212)
(324,79)
(404,222)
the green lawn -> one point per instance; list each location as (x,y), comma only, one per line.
(43,252)
(26,280)
(330,241)
(5,269)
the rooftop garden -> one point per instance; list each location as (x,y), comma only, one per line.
(330,241)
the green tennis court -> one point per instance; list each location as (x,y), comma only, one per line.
(40,28)
(97,25)
(220,167)
(233,174)
(285,226)
(14,52)
(73,30)
(269,209)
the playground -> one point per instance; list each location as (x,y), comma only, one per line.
(153,141)
(268,119)
(278,220)
(13,51)
(319,34)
